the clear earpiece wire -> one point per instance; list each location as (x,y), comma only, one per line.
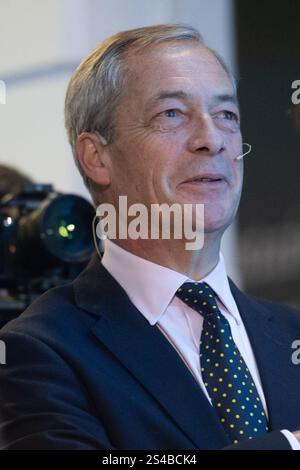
(239,157)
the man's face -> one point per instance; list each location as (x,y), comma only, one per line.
(178,122)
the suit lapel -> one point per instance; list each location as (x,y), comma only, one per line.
(148,356)
(271,340)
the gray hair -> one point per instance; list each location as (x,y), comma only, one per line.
(97,84)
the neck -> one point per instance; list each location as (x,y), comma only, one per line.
(172,254)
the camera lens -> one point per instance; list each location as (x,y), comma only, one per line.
(65,227)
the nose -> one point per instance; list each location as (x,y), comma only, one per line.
(205,138)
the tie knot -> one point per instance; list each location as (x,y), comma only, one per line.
(199,296)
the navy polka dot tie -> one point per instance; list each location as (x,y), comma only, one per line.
(225,375)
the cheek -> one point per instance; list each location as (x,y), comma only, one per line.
(162,155)
(237,190)
(236,168)
(147,162)
(239,174)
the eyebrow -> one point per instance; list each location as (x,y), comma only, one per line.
(180,94)
(232,98)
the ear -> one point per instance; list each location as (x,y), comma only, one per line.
(92,157)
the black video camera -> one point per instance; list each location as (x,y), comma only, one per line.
(45,241)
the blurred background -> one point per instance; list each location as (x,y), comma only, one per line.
(41,43)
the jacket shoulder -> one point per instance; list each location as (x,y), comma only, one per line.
(52,313)
(278,311)
(277,308)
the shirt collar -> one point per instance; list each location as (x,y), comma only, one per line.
(151,287)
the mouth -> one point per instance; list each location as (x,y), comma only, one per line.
(207,179)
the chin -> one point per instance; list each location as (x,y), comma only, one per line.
(216,228)
(217,222)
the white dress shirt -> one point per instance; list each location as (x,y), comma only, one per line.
(181,324)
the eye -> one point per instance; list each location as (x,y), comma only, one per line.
(228,120)
(169,119)
(230,115)
(170,113)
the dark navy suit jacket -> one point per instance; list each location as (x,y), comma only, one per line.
(85,370)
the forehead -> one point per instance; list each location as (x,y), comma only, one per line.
(187,66)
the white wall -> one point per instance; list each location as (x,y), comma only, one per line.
(29,33)
(40,44)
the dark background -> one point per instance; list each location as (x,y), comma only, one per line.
(268,53)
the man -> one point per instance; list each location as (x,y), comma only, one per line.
(123,358)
